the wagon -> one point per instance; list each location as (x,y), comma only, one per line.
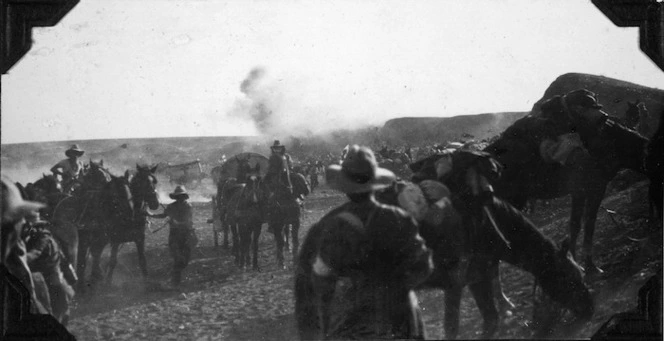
(188,174)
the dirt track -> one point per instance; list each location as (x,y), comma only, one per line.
(221,302)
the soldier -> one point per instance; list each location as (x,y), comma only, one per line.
(14,210)
(69,169)
(45,256)
(279,165)
(568,114)
(359,264)
(182,237)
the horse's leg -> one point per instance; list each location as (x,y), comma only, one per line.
(484,299)
(140,250)
(112,262)
(285,229)
(592,206)
(504,303)
(225,228)
(256,232)
(96,250)
(82,260)
(277,227)
(578,203)
(295,230)
(237,246)
(452,304)
(215,234)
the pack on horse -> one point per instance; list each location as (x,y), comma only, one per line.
(610,147)
(102,202)
(286,194)
(470,231)
(245,210)
(143,195)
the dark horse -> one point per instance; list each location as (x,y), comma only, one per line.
(245,211)
(467,249)
(654,164)
(103,202)
(143,194)
(225,191)
(612,147)
(287,191)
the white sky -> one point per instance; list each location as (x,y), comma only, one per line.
(159,68)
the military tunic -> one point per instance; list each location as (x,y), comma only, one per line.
(371,257)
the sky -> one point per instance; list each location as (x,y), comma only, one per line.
(173,68)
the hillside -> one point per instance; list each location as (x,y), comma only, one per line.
(613,94)
(418,130)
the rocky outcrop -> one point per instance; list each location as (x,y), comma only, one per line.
(417,130)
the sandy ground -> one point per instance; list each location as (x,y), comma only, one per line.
(221,302)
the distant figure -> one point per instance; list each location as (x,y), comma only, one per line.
(359,264)
(182,237)
(279,165)
(70,169)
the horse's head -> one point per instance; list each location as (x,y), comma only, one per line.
(243,167)
(567,289)
(254,190)
(633,114)
(617,147)
(96,176)
(119,198)
(144,187)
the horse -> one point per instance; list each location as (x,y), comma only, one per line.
(102,202)
(467,249)
(226,188)
(143,194)
(612,147)
(245,208)
(225,191)
(284,208)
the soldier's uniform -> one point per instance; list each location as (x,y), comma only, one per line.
(362,261)
(182,237)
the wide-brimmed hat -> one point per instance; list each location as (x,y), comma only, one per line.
(179,192)
(359,172)
(74,149)
(277,146)
(13,205)
(582,97)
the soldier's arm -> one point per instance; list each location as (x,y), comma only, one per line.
(415,258)
(57,169)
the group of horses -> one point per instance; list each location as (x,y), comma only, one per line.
(105,209)
(108,209)
(246,201)
(469,241)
